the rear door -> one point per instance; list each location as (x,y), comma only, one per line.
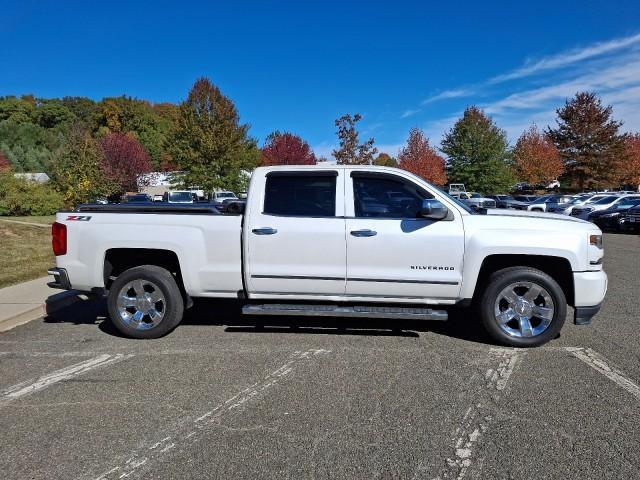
(296,234)
(391,252)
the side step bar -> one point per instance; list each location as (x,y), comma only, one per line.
(364,311)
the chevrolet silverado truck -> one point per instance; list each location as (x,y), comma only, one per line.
(342,241)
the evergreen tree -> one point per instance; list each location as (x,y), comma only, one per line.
(478,155)
(588,141)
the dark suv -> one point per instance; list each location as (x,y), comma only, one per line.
(630,221)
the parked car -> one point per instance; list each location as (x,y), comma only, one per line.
(630,220)
(522,187)
(218,198)
(178,196)
(137,198)
(601,204)
(577,201)
(308,245)
(525,198)
(477,201)
(609,219)
(549,203)
(507,201)
(456,188)
(158,198)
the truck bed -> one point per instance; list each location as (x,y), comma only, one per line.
(207,244)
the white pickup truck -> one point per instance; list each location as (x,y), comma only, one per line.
(339,241)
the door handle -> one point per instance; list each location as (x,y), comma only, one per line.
(364,233)
(264,231)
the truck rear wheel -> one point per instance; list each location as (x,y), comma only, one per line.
(145,302)
(523,307)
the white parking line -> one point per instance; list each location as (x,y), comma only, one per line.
(189,431)
(31,386)
(601,365)
(475,421)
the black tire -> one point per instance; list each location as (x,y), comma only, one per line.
(172,312)
(504,278)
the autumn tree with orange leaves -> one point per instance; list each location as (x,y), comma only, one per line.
(421,159)
(536,158)
(629,167)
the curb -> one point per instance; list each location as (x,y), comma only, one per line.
(51,305)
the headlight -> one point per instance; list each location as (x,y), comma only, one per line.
(611,215)
(595,240)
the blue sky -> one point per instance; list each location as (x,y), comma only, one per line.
(297,66)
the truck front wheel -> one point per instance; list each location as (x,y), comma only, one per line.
(523,307)
(145,302)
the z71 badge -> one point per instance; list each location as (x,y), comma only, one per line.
(79,218)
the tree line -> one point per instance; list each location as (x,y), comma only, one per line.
(98,148)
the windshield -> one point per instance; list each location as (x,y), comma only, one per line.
(594,199)
(628,202)
(180,197)
(606,200)
(542,199)
(476,195)
(226,195)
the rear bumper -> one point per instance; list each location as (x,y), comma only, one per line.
(60,279)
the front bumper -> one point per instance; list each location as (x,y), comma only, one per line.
(589,291)
(60,279)
(583,315)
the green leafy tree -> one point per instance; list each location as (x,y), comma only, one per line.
(52,114)
(211,146)
(19,196)
(28,147)
(589,141)
(18,110)
(478,155)
(84,109)
(385,160)
(78,170)
(351,151)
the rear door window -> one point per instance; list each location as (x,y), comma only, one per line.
(301,195)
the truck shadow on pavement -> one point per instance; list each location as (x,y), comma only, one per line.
(462,324)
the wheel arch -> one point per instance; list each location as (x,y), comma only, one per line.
(117,260)
(558,268)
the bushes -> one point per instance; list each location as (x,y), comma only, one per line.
(23,197)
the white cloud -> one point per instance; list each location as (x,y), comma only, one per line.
(456,93)
(409,113)
(616,81)
(567,58)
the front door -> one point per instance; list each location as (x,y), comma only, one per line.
(296,242)
(391,252)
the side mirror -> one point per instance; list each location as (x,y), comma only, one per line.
(433,210)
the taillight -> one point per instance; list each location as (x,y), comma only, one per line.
(59,239)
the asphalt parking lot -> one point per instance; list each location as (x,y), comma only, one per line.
(222,399)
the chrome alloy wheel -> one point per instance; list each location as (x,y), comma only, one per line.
(524,309)
(141,304)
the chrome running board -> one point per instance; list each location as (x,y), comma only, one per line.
(364,311)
